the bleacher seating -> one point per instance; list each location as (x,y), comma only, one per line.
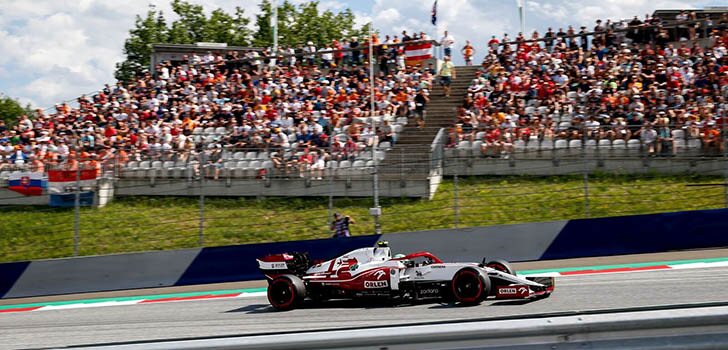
(626,96)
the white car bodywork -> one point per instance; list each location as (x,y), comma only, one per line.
(340,270)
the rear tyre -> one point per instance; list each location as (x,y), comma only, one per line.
(469,287)
(286,292)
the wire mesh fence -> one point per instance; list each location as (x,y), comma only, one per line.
(183,207)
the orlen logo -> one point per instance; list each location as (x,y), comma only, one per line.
(508,291)
(375,284)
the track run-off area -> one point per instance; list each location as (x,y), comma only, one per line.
(201,314)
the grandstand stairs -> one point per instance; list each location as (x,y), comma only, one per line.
(410,156)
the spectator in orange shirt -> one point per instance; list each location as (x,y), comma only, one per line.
(711,138)
(468,52)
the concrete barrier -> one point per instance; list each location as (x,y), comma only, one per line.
(580,238)
(688,328)
(522,242)
(157,269)
(639,234)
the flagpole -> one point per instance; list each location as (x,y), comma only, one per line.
(439,50)
(274,23)
(522,15)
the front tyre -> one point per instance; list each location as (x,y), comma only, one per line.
(286,292)
(469,287)
(502,266)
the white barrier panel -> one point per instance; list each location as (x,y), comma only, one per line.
(688,328)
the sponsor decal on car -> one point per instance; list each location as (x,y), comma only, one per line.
(437,266)
(279,265)
(379,274)
(429,291)
(375,284)
(514,291)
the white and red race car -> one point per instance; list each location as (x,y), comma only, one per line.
(373,272)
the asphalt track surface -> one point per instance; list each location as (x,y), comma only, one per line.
(190,319)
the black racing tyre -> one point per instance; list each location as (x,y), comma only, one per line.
(469,286)
(286,292)
(502,266)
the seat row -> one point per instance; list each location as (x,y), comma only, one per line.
(238,169)
(617,147)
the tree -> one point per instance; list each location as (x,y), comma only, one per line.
(138,47)
(296,25)
(191,26)
(11,109)
(263,37)
(224,28)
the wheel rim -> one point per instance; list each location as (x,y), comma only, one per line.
(468,287)
(281,293)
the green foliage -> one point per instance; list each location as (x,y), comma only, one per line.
(296,25)
(138,47)
(224,28)
(11,109)
(192,25)
(154,223)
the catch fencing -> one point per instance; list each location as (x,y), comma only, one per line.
(167,200)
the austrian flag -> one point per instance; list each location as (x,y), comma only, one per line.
(416,53)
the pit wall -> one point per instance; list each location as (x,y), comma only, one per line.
(524,242)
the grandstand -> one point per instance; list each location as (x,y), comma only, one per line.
(632,96)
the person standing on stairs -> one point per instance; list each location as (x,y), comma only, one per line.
(468,52)
(421,100)
(447,74)
(447,42)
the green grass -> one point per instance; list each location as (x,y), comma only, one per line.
(152,223)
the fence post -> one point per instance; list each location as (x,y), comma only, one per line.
(724,134)
(584,138)
(330,171)
(456,206)
(201,238)
(77,204)
(401,165)
(377,211)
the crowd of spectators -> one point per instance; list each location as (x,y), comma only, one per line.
(304,111)
(613,86)
(312,104)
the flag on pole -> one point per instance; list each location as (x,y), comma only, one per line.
(434,13)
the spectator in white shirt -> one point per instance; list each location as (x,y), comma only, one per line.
(447,43)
